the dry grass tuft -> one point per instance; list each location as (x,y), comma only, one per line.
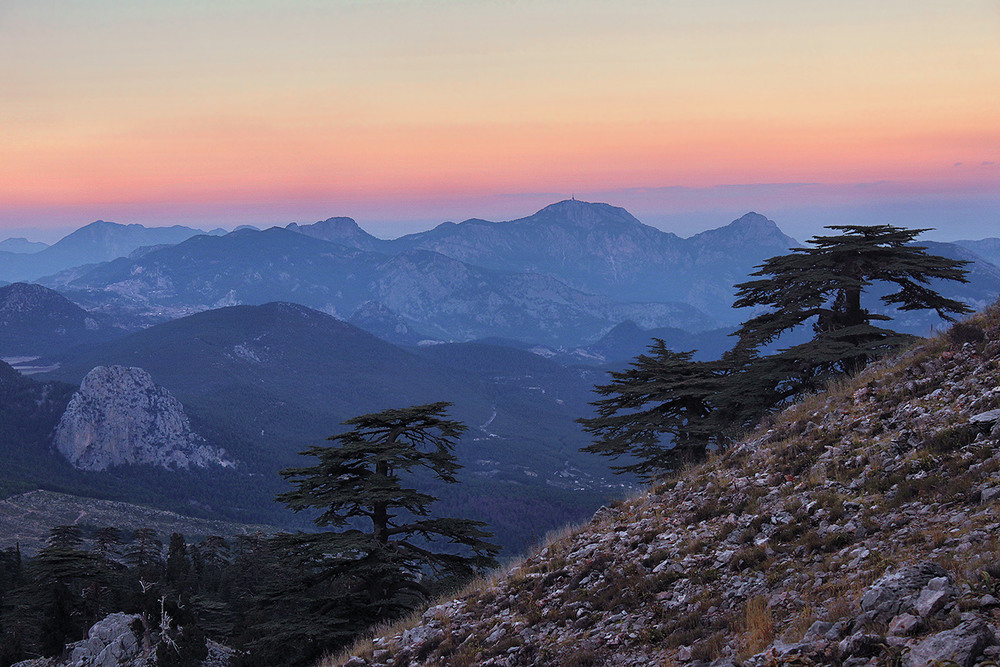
(760,624)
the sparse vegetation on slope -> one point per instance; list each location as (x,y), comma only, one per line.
(861,526)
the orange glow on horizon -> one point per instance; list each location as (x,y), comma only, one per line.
(371,162)
(261,100)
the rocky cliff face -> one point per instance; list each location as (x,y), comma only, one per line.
(344,231)
(860,527)
(120,417)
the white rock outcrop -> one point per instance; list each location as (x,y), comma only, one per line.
(111,642)
(121,417)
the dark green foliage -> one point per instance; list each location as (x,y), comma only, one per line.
(108,542)
(667,408)
(144,552)
(178,567)
(12,628)
(656,412)
(375,568)
(824,284)
(359,479)
(265,597)
(63,603)
(65,537)
(296,613)
(29,411)
(966,332)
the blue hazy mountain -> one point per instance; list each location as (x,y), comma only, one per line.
(604,250)
(628,340)
(433,295)
(94,243)
(562,277)
(21,246)
(988,249)
(344,231)
(981,290)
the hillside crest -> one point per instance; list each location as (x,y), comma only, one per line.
(859,527)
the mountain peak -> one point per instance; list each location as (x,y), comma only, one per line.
(584,215)
(21,246)
(753,219)
(35,320)
(750,228)
(22,297)
(340,229)
(96,226)
(119,417)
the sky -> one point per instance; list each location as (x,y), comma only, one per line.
(404,114)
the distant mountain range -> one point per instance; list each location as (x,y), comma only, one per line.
(596,248)
(94,243)
(434,295)
(563,277)
(21,246)
(604,250)
(988,249)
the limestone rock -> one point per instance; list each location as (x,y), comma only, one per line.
(934,596)
(893,592)
(962,644)
(120,417)
(110,643)
(904,624)
(988,417)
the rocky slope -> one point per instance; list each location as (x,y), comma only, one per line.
(120,417)
(26,519)
(860,527)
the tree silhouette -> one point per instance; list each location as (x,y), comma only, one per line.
(656,413)
(825,283)
(384,550)
(667,408)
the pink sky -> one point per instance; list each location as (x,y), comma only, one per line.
(404,114)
